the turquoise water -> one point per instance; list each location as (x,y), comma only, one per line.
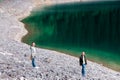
(92,27)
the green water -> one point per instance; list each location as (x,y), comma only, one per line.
(72,28)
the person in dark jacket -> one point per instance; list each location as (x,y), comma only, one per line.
(83,63)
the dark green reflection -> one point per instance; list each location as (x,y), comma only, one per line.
(73,28)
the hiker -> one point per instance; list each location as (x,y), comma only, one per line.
(33,53)
(83,63)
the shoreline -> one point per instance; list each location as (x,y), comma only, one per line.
(36,4)
(70,53)
(18,65)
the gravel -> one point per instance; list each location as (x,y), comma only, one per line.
(15,63)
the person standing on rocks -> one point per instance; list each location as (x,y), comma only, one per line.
(83,63)
(33,53)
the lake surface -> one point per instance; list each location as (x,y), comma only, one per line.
(93,27)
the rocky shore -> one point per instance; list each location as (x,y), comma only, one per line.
(14,55)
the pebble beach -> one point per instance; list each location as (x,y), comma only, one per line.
(15,63)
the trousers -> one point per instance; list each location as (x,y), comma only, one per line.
(83,70)
(33,62)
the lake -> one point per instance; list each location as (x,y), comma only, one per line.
(93,27)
